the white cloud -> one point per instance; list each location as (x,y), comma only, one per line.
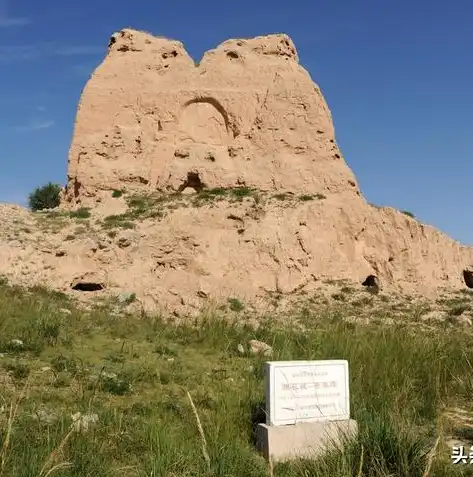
(35,126)
(12,192)
(37,51)
(79,50)
(7,21)
(19,52)
(15,198)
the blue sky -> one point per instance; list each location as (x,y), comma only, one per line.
(397,76)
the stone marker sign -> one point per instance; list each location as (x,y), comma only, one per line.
(307,409)
(306,391)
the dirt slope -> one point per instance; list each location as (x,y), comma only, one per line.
(250,195)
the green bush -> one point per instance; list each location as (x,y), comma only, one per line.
(46,197)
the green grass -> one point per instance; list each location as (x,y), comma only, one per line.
(56,221)
(289,196)
(123,221)
(133,374)
(235,304)
(81,213)
(237,194)
(157,205)
(307,197)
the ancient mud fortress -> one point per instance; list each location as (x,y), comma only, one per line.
(248,115)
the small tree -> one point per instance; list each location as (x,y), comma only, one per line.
(45,197)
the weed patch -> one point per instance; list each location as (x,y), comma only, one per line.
(82,213)
(126,396)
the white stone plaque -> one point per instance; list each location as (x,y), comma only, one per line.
(304,391)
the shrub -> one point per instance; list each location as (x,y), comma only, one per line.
(306,197)
(235,304)
(82,213)
(17,370)
(45,197)
(241,192)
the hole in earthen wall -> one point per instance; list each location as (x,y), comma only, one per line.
(468,278)
(233,55)
(193,181)
(371,281)
(169,54)
(183,154)
(88,286)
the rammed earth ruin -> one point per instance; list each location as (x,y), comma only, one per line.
(247,117)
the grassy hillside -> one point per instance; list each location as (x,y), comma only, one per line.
(411,388)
